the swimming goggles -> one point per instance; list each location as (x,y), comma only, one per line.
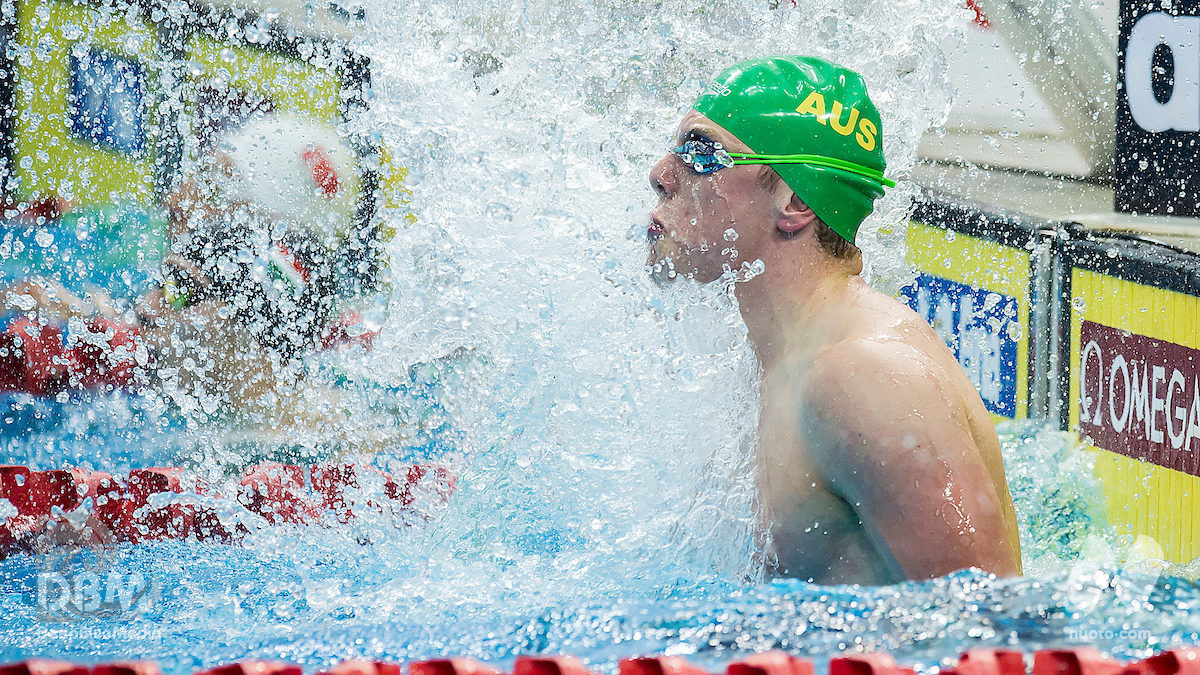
(180,288)
(707,157)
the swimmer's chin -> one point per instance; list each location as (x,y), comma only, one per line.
(661,270)
(664,272)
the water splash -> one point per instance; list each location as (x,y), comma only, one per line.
(611,423)
(604,425)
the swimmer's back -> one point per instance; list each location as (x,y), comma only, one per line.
(883,405)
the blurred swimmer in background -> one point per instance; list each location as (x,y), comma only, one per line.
(878,461)
(248,285)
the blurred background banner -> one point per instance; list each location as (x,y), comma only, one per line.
(107,104)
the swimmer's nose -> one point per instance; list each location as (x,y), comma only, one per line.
(663,178)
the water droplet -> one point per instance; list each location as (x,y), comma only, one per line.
(499,213)
(752,269)
(730,235)
(43,238)
(134,42)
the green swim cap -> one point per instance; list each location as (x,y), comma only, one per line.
(792,105)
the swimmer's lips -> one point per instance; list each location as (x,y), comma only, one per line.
(655,230)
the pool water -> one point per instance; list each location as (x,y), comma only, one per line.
(318,595)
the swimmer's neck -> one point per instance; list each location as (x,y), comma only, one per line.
(783,307)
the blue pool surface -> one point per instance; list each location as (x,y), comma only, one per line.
(316,596)
(222,604)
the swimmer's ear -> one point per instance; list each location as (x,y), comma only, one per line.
(795,216)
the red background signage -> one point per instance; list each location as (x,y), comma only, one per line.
(1140,397)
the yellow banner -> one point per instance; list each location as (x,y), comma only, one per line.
(1132,389)
(990,282)
(70,143)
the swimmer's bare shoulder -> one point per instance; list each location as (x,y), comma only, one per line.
(897,438)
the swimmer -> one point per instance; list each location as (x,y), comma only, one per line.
(877,461)
(248,284)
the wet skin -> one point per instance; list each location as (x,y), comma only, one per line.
(877,459)
(200,352)
(205,358)
(205,352)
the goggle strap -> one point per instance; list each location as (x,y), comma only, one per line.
(814,160)
(175,296)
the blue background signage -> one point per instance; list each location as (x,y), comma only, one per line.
(107,101)
(981,329)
